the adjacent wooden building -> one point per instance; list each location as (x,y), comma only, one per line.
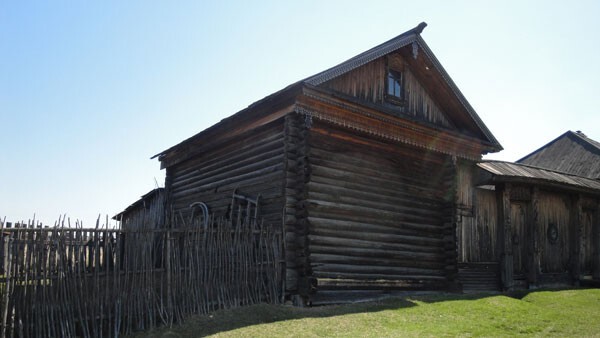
(144,214)
(528,227)
(370,169)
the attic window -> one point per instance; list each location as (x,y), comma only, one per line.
(395,87)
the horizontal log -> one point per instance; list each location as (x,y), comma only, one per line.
(392,198)
(213,199)
(380,270)
(330,214)
(354,162)
(358,205)
(357,243)
(378,276)
(396,228)
(201,171)
(373,252)
(357,284)
(398,260)
(253,143)
(414,188)
(203,179)
(364,145)
(260,175)
(362,211)
(377,237)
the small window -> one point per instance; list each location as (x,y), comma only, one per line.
(395,89)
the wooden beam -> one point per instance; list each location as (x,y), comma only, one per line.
(576,232)
(505,236)
(596,242)
(533,270)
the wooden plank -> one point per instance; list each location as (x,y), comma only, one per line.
(506,265)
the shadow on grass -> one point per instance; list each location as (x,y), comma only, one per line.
(231,319)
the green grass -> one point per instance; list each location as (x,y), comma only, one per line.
(541,313)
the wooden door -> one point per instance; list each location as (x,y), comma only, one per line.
(519,237)
(587,247)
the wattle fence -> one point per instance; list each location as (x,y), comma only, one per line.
(63,282)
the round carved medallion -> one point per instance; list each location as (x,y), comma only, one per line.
(552,233)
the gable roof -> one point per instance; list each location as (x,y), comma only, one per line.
(515,172)
(571,152)
(409,37)
(412,36)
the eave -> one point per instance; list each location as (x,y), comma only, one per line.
(507,172)
(257,114)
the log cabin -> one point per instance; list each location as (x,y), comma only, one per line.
(359,166)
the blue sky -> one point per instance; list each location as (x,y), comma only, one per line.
(89,91)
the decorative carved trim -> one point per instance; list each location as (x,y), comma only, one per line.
(552,233)
(415,49)
(308,119)
(397,137)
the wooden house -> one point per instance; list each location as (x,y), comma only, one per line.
(359,166)
(571,152)
(528,227)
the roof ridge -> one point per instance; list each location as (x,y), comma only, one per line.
(585,138)
(366,56)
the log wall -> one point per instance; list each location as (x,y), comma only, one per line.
(375,219)
(253,163)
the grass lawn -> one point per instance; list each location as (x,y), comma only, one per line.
(564,313)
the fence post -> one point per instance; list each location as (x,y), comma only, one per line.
(168,276)
(7,278)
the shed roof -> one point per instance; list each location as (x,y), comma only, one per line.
(139,203)
(571,152)
(515,172)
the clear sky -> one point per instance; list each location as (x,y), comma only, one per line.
(89,91)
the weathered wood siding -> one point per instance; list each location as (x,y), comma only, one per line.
(368,83)
(465,187)
(376,219)
(587,245)
(590,238)
(253,163)
(149,214)
(554,209)
(478,234)
(520,236)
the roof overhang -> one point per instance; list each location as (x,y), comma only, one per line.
(507,172)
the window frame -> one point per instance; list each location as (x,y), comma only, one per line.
(398,78)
